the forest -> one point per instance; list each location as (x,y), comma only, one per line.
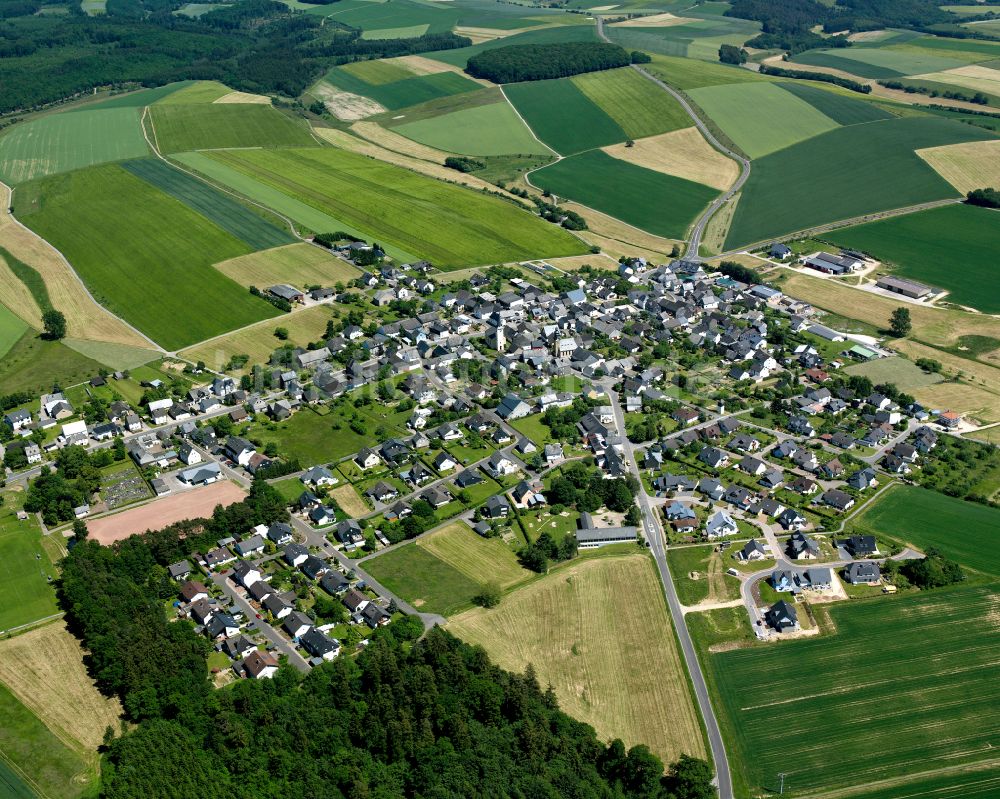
(252,45)
(408,716)
(520,62)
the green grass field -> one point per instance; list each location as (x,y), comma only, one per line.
(236,219)
(145,255)
(761,118)
(423,580)
(979,782)
(12,327)
(450,226)
(711,584)
(658,203)
(482,560)
(965,531)
(370,16)
(403,92)
(34,364)
(35,762)
(546,105)
(639,106)
(493,129)
(877,62)
(841,109)
(61,142)
(27,594)
(861,169)
(902,373)
(953,247)
(699,38)
(202,91)
(138,99)
(688,73)
(207,126)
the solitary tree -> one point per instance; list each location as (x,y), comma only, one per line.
(281,333)
(80,529)
(899,322)
(489,595)
(55,324)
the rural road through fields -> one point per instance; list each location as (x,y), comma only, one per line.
(694,240)
(655,537)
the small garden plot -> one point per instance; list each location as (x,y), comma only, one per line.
(699,575)
(121,484)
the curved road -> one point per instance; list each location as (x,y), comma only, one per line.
(694,240)
(656,539)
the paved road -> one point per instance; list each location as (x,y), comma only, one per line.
(694,239)
(655,537)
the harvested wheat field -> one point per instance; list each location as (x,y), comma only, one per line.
(613,664)
(85,319)
(682,153)
(245,98)
(198,503)
(350,501)
(298,264)
(966,166)
(16,296)
(376,134)
(421,65)
(664,20)
(44,669)
(603,228)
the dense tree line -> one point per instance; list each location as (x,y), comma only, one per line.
(739,272)
(802,74)
(252,45)
(986,198)
(910,88)
(406,717)
(520,62)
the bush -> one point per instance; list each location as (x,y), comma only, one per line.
(985,198)
(461,164)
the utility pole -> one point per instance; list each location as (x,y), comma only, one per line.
(781,783)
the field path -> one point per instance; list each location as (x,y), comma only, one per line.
(86,318)
(698,229)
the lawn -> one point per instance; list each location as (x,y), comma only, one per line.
(426,582)
(37,757)
(450,226)
(532,427)
(493,129)
(749,116)
(965,531)
(546,105)
(841,109)
(404,92)
(862,169)
(597,630)
(901,372)
(34,364)
(203,126)
(712,583)
(12,327)
(482,560)
(28,596)
(652,201)
(953,247)
(637,104)
(902,688)
(238,220)
(299,264)
(61,142)
(144,254)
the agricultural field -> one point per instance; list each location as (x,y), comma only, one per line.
(598,651)
(299,264)
(44,669)
(405,209)
(493,129)
(747,115)
(546,105)
(482,560)
(901,372)
(962,530)
(238,220)
(688,35)
(840,108)
(12,327)
(563,33)
(393,86)
(923,700)
(34,364)
(878,62)
(145,255)
(27,594)
(202,91)
(968,166)
(70,140)
(682,153)
(862,168)
(686,73)
(952,247)
(639,106)
(210,126)
(423,580)
(611,186)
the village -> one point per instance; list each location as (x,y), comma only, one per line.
(724,405)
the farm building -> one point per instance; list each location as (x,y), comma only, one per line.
(908,288)
(285,292)
(590,537)
(833,264)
